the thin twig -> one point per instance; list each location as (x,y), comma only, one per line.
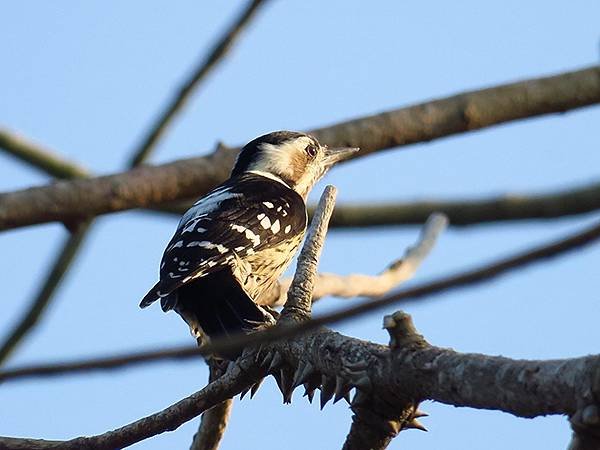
(298,306)
(39,157)
(40,302)
(462,279)
(361,285)
(205,67)
(184,179)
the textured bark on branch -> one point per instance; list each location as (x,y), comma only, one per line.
(524,388)
(184,179)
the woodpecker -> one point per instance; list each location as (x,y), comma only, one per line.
(234,243)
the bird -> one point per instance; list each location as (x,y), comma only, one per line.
(234,243)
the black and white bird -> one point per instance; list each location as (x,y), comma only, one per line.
(234,243)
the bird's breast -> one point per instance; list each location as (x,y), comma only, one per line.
(260,271)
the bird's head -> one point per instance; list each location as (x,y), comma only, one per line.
(295,158)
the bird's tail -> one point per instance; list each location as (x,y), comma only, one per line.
(221,307)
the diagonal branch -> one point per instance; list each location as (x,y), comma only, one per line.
(39,157)
(298,306)
(184,179)
(59,167)
(360,285)
(43,298)
(205,67)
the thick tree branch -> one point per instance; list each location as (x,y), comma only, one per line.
(410,370)
(467,278)
(199,74)
(184,179)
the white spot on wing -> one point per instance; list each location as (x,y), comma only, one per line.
(208,245)
(288,229)
(207,204)
(268,204)
(265,223)
(260,216)
(175,245)
(275,227)
(255,238)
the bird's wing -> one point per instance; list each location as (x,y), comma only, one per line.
(239,218)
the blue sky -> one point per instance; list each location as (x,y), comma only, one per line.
(87,78)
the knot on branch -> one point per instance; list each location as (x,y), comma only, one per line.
(586,428)
(402,331)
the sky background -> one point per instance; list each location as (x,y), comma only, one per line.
(87,78)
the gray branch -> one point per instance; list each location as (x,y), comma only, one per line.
(214,421)
(425,290)
(361,285)
(406,372)
(298,306)
(216,54)
(69,201)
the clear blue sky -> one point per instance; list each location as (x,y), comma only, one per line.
(86,78)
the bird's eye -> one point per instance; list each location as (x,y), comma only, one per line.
(311,150)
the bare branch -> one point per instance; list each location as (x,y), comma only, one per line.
(509,207)
(169,419)
(411,371)
(467,111)
(461,212)
(214,421)
(467,278)
(298,306)
(100,363)
(184,179)
(39,157)
(206,66)
(61,168)
(359,285)
(38,306)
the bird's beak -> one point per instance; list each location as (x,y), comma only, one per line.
(335,155)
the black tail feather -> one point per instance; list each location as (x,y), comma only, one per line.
(220,305)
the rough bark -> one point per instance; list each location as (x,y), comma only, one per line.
(400,373)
